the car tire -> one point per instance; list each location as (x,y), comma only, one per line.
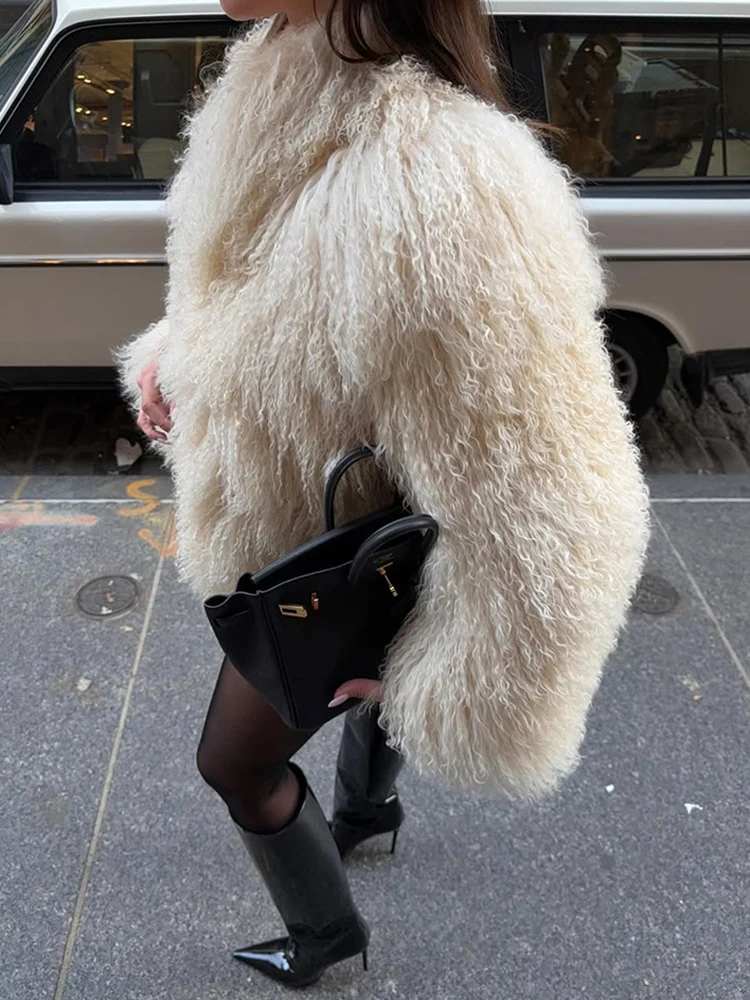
(640,362)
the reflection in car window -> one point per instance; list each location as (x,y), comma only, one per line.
(116,110)
(19,45)
(736,111)
(650,105)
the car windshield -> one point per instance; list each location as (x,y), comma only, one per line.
(20,44)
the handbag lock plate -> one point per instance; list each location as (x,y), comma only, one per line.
(293,610)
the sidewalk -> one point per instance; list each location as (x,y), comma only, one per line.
(124,880)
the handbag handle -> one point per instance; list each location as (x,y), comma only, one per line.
(394,532)
(335,478)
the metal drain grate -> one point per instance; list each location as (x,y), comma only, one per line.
(107,596)
(655,595)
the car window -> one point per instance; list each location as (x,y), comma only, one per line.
(23,35)
(736,111)
(116,110)
(649,105)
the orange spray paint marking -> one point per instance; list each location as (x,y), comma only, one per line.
(35,516)
(166,547)
(160,532)
(137,491)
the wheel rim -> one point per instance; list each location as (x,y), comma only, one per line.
(626,371)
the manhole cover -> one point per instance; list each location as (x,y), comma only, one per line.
(107,596)
(655,595)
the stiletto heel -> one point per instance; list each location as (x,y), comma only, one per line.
(366,802)
(350,829)
(364,959)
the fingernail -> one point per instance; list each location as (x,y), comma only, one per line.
(338,701)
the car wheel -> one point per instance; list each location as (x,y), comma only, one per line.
(640,363)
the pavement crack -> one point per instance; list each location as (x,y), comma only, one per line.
(733,655)
(75,923)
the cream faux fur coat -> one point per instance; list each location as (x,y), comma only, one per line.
(364,254)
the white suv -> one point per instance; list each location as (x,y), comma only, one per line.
(653,97)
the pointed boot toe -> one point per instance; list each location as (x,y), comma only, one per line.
(274,958)
(300,959)
(302,869)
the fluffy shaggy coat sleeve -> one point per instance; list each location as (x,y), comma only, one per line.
(474,347)
(133,357)
(370,256)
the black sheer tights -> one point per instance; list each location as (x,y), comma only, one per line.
(243,755)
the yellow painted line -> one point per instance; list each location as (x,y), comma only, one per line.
(18,491)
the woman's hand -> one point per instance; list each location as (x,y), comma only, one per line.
(153,418)
(358,688)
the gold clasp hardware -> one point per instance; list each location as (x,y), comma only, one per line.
(382,571)
(293,610)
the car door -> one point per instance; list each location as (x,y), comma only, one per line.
(94,138)
(653,114)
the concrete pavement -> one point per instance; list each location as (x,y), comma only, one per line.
(123,879)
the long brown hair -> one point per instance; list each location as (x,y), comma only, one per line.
(454,37)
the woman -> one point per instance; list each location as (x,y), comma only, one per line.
(367,248)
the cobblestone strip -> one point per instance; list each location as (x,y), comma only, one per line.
(53,433)
(712,438)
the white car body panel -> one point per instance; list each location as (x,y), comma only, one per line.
(73,12)
(79,277)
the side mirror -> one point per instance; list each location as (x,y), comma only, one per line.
(6,175)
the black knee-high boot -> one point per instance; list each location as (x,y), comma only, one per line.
(366,802)
(302,870)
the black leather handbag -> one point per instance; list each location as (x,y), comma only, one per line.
(326,612)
